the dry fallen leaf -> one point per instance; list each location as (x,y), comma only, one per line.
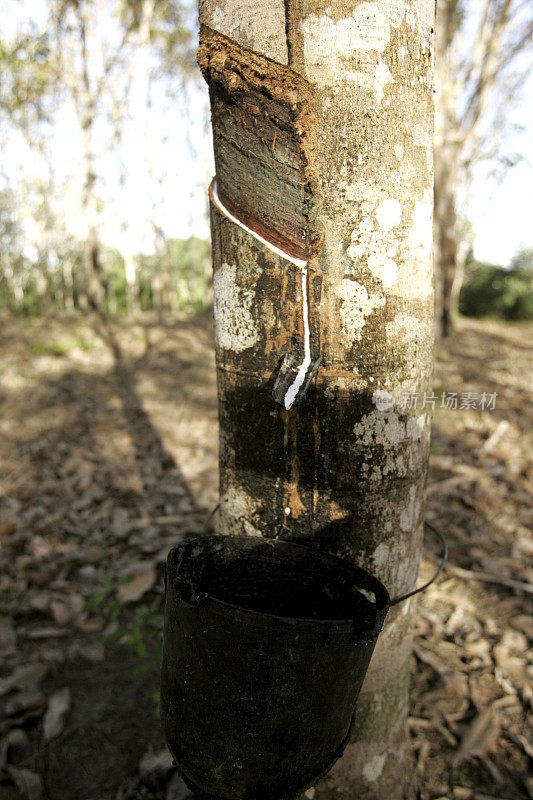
(24,677)
(451,699)
(177,789)
(8,637)
(152,763)
(15,740)
(7,529)
(29,784)
(481,736)
(58,705)
(134,590)
(60,612)
(91,651)
(25,702)
(510,656)
(479,651)
(524,623)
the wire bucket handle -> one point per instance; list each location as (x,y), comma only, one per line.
(444,558)
(401,597)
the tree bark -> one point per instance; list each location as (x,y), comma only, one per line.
(447,156)
(132,281)
(445,243)
(322,127)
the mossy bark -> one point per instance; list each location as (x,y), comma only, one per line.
(355,451)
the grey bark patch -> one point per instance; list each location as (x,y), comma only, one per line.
(264,142)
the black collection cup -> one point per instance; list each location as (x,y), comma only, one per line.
(266,646)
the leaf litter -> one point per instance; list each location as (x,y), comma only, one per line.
(109,458)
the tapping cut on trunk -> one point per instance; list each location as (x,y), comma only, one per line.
(264,142)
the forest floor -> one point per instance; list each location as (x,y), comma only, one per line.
(108,456)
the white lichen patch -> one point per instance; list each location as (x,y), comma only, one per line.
(386,427)
(416,239)
(383,400)
(389,214)
(338,52)
(421,135)
(376,475)
(406,573)
(416,427)
(367,28)
(385,269)
(420,15)
(361,240)
(395,9)
(355,306)
(373,769)
(382,76)
(381,556)
(235,328)
(247,24)
(403,328)
(368,76)
(379,427)
(410,512)
(238,504)
(402,52)
(376,245)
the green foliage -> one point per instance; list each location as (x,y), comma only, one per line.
(182,270)
(31,301)
(102,598)
(143,632)
(48,81)
(172,34)
(191,260)
(114,281)
(139,627)
(59,348)
(27,72)
(493,291)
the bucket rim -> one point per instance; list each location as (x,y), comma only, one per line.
(364,580)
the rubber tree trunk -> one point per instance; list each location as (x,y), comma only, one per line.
(322,122)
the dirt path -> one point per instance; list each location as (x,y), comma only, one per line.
(108,456)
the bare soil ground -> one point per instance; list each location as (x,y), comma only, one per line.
(108,456)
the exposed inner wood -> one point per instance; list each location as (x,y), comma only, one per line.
(264,143)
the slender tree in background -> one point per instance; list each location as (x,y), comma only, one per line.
(11,248)
(82,69)
(86,62)
(483,60)
(322,126)
(160,48)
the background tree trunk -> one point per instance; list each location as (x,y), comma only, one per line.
(351,88)
(447,155)
(480,73)
(132,280)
